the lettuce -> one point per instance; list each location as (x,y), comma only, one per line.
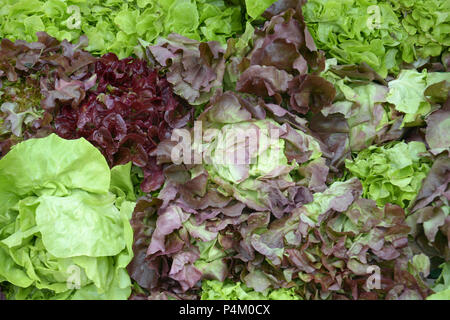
(228,290)
(382,34)
(430,219)
(256,7)
(214,233)
(25,71)
(118,26)
(225,230)
(54,86)
(64,222)
(407,93)
(361,100)
(392,173)
(256,160)
(118,116)
(186,226)
(442,286)
(367,110)
(195,69)
(251,182)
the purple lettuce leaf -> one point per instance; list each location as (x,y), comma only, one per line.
(430,220)
(25,70)
(195,69)
(277,66)
(438,126)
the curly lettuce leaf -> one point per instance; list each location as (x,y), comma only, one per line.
(118,26)
(382,34)
(392,173)
(228,290)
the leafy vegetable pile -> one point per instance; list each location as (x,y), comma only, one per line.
(123,107)
(117,26)
(381,33)
(292,153)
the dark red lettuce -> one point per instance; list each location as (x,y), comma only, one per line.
(126,114)
(277,67)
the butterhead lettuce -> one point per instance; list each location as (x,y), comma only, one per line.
(64,222)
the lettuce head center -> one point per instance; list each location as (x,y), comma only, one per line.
(245,149)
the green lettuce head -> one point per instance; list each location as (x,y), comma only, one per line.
(229,290)
(64,222)
(392,173)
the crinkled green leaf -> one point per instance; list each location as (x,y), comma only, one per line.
(117,26)
(228,290)
(382,34)
(392,173)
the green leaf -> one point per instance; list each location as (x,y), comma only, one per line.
(229,290)
(62,216)
(80,225)
(383,34)
(116,26)
(443,295)
(256,7)
(392,173)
